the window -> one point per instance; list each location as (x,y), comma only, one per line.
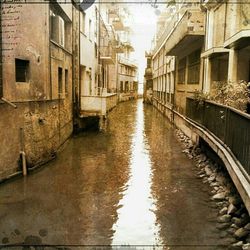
(126,86)
(59,80)
(66,75)
(22,70)
(61,32)
(82,22)
(194,67)
(181,71)
(121,86)
(60,28)
(57,33)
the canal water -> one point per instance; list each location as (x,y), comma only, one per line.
(130,186)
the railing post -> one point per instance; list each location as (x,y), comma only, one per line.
(226,129)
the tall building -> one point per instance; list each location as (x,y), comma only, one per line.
(177,67)
(199,45)
(107,73)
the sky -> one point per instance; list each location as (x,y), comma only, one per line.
(144,26)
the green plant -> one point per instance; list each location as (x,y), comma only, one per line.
(233,94)
(200,97)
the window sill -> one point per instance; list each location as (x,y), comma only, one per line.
(60,46)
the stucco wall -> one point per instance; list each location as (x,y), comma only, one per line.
(46,125)
(46,120)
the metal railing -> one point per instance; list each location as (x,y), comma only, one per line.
(228,124)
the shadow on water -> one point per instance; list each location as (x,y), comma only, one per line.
(130,185)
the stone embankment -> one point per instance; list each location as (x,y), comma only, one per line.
(233,221)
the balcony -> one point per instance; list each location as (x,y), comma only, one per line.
(97,105)
(214,52)
(187,32)
(239,40)
(107,54)
(183,32)
(118,24)
(128,45)
(237,34)
(128,62)
(119,48)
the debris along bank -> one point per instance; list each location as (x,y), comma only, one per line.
(233,219)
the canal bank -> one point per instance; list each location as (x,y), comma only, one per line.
(129,185)
(199,132)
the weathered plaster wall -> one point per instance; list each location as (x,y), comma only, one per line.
(46,123)
(26,40)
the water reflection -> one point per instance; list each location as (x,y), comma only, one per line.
(129,185)
(136,223)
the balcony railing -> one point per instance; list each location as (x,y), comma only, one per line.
(227,124)
(107,54)
(129,62)
(97,105)
(191,24)
(170,26)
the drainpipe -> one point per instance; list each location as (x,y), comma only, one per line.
(8,102)
(22,153)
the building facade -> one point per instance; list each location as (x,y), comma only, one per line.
(226,54)
(36,82)
(198,46)
(104,62)
(177,67)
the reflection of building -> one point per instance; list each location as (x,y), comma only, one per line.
(37,52)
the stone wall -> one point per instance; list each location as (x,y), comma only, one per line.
(46,125)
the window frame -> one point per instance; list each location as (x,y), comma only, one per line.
(22,77)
